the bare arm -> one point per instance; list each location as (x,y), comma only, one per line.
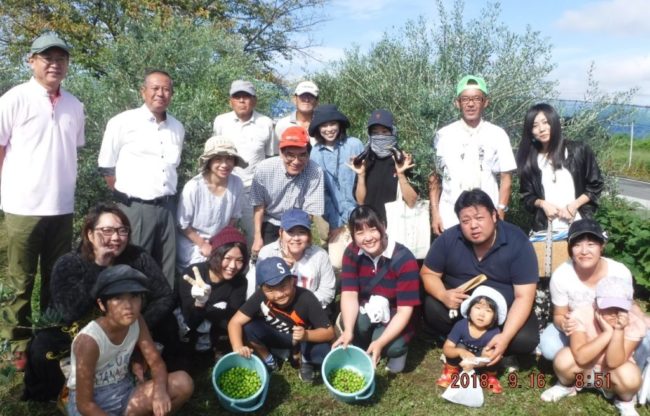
(408,193)
(360,189)
(110,182)
(258,218)
(585,351)
(86,354)
(204,245)
(519,312)
(392,331)
(161,402)
(236,333)
(349,313)
(505,187)
(432,282)
(319,335)
(435,187)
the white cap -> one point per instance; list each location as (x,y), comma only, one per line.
(307,87)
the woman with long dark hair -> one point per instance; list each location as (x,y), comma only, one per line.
(559,179)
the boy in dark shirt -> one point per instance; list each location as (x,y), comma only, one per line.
(281,316)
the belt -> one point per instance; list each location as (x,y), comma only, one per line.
(128,200)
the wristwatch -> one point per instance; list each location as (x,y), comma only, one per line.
(503,207)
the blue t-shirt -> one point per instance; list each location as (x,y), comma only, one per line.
(460,336)
(510,261)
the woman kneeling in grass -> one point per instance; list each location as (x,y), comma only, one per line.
(602,342)
(100,382)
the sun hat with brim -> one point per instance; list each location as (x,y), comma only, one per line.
(119,279)
(325,113)
(220,145)
(586,226)
(47,41)
(471,82)
(614,292)
(488,292)
(271,271)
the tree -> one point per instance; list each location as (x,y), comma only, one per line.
(267,28)
(413,73)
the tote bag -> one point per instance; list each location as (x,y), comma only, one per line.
(409,226)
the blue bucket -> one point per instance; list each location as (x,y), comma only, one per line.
(355,359)
(249,404)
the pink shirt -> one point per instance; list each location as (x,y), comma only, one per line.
(586,322)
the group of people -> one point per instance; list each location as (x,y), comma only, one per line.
(233,256)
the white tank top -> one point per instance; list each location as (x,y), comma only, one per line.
(113,362)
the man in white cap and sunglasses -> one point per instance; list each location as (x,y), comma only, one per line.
(41,127)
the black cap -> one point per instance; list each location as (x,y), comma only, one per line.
(381,117)
(119,279)
(323,114)
(586,226)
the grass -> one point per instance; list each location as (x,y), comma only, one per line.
(640,167)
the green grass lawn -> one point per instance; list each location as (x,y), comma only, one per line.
(640,167)
(411,393)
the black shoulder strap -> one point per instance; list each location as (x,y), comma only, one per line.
(365,292)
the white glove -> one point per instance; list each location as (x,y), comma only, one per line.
(201,294)
(220,305)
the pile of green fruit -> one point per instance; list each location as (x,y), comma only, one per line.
(346,380)
(239,382)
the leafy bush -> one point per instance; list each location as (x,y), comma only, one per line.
(629,237)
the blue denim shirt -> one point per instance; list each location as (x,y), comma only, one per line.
(339,178)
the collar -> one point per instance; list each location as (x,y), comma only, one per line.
(388,251)
(250,120)
(146,113)
(322,147)
(470,129)
(41,89)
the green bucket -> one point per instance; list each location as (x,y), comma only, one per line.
(249,404)
(355,359)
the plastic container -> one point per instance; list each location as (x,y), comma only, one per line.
(351,358)
(249,404)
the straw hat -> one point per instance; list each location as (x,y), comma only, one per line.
(220,145)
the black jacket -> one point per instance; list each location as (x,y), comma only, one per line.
(587,179)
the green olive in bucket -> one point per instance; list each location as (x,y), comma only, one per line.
(239,382)
(346,380)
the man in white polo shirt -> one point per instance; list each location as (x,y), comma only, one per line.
(140,152)
(253,137)
(41,127)
(305,98)
(470,153)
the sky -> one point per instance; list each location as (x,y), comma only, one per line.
(612,34)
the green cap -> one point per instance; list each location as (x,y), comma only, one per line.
(47,41)
(471,81)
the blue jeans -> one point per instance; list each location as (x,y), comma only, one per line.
(112,398)
(551,341)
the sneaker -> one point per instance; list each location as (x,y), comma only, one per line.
(271,363)
(625,408)
(558,392)
(448,371)
(397,364)
(306,372)
(493,383)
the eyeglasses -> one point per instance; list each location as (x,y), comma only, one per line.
(50,60)
(465,100)
(291,156)
(109,231)
(306,97)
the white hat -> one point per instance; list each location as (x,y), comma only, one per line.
(307,87)
(488,292)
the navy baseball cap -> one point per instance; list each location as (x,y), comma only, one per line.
(586,226)
(119,279)
(271,271)
(293,218)
(381,117)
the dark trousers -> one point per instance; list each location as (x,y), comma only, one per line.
(270,232)
(437,321)
(259,332)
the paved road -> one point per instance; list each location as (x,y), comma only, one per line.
(636,191)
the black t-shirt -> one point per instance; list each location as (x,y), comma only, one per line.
(381,185)
(305,310)
(231,292)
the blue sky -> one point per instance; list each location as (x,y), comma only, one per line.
(613,34)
